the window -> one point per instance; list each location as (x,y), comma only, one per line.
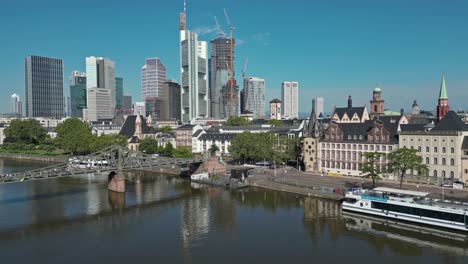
(466,171)
(419,212)
(452,150)
(444,150)
(435,161)
(435,149)
(444,161)
(419,149)
(452,162)
(390,148)
(452,174)
(427,149)
(435,173)
(443,174)
(427,160)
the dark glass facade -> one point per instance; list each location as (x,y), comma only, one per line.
(44,87)
(118,93)
(78,96)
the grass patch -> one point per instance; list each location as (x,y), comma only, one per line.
(32,152)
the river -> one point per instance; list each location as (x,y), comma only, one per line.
(161,219)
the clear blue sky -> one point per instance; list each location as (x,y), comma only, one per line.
(333,48)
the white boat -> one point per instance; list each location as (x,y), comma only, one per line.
(409,206)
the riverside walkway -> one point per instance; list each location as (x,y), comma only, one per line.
(114,158)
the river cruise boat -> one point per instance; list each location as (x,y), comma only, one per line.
(409,206)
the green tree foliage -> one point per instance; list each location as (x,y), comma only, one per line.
(168,150)
(213,149)
(25,132)
(149,146)
(252,147)
(236,121)
(403,160)
(276,123)
(105,141)
(74,136)
(371,167)
(165,129)
(183,152)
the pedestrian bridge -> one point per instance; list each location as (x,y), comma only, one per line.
(114,158)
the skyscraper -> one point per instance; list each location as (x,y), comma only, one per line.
(127,104)
(225,101)
(171,94)
(153,76)
(317,106)
(118,93)
(44,87)
(194,74)
(16,107)
(78,93)
(289,97)
(155,107)
(253,96)
(219,72)
(100,84)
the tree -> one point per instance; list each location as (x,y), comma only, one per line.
(27,131)
(183,152)
(168,150)
(213,149)
(149,146)
(276,123)
(166,129)
(74,136)
(236,121)
(404,159)
(371,167)
(105,141)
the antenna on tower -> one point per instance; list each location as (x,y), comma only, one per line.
(185,7)
(244,70)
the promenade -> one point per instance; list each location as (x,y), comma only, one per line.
(330,187)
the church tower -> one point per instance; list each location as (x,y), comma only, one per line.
(377,104)
(443,106)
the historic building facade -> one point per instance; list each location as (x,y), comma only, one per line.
(377,103)
(344,144)
(350,114)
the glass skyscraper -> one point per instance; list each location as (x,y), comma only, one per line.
(220,61)
(153,76)
(118,93)
(44,87)
(78,93)
(253,96)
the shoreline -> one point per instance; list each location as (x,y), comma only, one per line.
(31,157)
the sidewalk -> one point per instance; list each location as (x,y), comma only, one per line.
(291,179)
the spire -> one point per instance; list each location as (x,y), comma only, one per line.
(350,102)
(443,89)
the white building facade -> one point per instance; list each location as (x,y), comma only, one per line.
(153,77)
(318,106)
(253,96)
(100,76)
(289,98)
(16,106)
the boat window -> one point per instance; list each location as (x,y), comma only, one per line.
(420,212)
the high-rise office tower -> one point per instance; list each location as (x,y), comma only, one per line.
(194,74)
(153,76)
(78,93)
(289,98)
(100,81)
(44,87)
(225,101)
(155,107)
(118,92)
(139,108)
(171,94)
(16,107)
(317,106)
(253,96)
(220,62)
(127,104)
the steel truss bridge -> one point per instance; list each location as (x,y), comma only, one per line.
(114,158)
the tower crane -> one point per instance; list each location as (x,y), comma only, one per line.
(231,70)
(244,70)
(220,31)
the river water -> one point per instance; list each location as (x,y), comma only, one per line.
(168,220)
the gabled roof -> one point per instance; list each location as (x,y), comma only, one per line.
(450,122)
(128,128)
(187,126)
(350,111)
(350,130)
(465,143)
(197,133)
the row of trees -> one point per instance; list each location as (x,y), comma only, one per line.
(400,161)
(73,136)
(253,147)
(151,146)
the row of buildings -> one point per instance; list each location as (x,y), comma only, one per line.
(335,145)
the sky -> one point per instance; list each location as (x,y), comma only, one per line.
(333,48)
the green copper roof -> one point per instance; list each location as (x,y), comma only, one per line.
(377,89)
(443,89)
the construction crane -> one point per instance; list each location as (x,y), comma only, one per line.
(220,31)
(244,70)
(231,70)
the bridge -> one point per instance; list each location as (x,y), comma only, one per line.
(115,158)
